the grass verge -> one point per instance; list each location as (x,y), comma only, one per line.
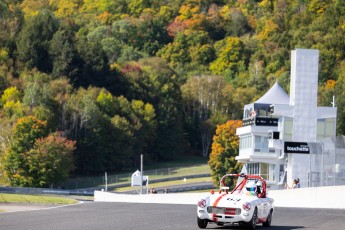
(34,199)
(168,183)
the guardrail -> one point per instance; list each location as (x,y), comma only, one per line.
(25,190)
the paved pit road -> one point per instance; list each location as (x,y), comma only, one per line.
(128,216)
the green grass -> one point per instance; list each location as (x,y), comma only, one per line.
(167,183)
(182,166)
(34,199)
(169,172)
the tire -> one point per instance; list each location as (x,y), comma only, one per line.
(202,223)
(252,222)
(269,219)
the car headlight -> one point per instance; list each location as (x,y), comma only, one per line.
(202,203)
(247,206)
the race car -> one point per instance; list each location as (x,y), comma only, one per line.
(247,204)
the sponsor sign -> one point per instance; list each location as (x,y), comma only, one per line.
(260,121)
(296,147)
(248,121)
(264,121)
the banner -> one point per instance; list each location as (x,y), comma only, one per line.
(296,147)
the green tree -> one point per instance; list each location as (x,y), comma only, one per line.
(93,64)
(11,103)
(177,51)
(137,6)
(153,81)
(87,126)
(230,55)
(224,149)
(25,133)
(339,91)
(64,55)
(34,40)
(206,104)
(50,160)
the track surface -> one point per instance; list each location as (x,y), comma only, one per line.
(127,216)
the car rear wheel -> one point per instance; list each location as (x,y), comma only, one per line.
(269,219)
(202,223)
(252,222)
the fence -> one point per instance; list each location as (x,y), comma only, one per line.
(117,179)
(327,166)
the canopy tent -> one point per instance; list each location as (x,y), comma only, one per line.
(275,95)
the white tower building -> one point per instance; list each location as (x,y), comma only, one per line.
(278,131)
(303,100)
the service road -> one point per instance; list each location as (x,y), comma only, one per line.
(129,216)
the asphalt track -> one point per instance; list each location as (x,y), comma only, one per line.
(128,216)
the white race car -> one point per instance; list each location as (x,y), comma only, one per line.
(247,204)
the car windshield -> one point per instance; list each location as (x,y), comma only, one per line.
(239,181)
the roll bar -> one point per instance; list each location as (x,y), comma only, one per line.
(240,185)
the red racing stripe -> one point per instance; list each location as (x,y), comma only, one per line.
(218,199)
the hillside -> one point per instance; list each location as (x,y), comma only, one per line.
(105,81)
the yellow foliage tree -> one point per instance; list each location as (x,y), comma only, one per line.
(224,149)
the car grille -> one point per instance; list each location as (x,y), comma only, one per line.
(222,210)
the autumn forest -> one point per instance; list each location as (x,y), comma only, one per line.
(89,85)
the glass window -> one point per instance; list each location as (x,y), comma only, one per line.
(261,144)
(271,176)
(253,168)
(264,170)
(287,129)
(330,127)
(246,142)
(325,128)
(320,131)
(262,113)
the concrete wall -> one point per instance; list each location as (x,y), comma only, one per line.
(320,197)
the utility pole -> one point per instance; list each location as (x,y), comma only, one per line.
(333,102)
(106,181)
(141,173)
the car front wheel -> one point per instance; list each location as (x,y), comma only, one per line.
(202,223)
(252,222)
(269,219)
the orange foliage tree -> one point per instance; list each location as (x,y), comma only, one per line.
(224,149)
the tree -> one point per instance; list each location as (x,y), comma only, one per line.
(64,55)
(11,103)
(230,55)
(153,81)
(205,107)
(177,51)
(94,64)
(50,160)
(151,35)
(339,91)
(25,133)
(34,40)
(225,147)
(32,7)
(137,6)
(67,8)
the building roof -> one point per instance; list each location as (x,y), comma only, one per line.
(275,95)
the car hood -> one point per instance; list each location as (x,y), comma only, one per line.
(230,200)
